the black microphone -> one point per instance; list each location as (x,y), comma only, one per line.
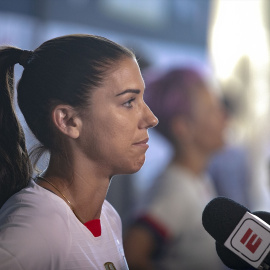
(242,238)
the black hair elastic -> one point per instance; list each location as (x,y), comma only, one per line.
(25,57)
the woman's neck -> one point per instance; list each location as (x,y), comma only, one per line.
(82,184)
(192,161)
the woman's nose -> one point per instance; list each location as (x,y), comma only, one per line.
(150,119)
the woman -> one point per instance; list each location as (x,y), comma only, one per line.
(82,97)
(168,233)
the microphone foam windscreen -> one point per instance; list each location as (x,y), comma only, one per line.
(230,259)
(220,217)
(265,216)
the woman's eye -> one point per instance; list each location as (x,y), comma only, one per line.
(128,104)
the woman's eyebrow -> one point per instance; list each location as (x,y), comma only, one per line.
(135,91)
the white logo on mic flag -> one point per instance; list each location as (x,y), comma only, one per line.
(250,240)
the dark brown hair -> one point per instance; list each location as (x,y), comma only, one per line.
(15,168)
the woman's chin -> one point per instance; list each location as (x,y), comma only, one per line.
(133,169)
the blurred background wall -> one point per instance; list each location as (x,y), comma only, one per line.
(228,39)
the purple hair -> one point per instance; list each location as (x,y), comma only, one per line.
(172,94)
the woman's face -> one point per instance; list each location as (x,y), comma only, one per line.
(115,129)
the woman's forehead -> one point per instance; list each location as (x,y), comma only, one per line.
(127,75)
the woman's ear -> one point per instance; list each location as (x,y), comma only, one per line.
(67,121)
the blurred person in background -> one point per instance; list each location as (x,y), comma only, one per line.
(168,232)
(82,97)
(230,167)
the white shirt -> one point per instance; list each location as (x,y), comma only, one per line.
(176,206)
(38,231)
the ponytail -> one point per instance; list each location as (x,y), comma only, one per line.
(15,166)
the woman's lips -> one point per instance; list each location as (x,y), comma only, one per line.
(143,143)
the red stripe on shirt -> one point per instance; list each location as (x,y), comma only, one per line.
(94,227)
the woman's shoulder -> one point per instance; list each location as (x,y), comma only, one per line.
(34,202)
(33,222)
(34,210)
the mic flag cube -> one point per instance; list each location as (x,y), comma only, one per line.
(250,239)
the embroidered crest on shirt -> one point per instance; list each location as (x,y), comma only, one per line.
(109,266)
